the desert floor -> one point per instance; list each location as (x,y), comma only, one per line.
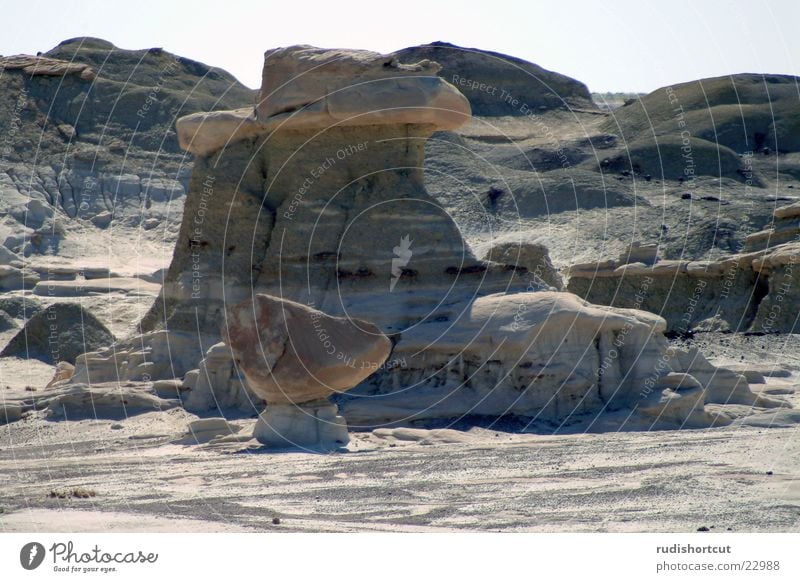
(145,473)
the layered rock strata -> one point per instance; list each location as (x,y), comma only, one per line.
(753,291)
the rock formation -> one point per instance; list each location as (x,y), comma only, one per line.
(755,290)
(700,127)
(316,197)
(101,121)
(545,355)
(679,400)
(292,354)
(217,384)
(329,196)
(528,258)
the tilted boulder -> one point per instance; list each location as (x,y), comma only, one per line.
(295,357)
(292,354)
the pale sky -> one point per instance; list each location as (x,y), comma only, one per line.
(623,45)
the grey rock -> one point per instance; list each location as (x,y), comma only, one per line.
(61,332)
(20,306)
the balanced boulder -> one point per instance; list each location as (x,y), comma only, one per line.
(295,357)
(291,354)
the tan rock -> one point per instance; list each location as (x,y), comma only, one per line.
(64,371)
(291,353)
(204,133)
(790,211)
(45,66)
(306,88)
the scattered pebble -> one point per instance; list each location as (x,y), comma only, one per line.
(276,521)
(703,528)
(77,492)
(769,472)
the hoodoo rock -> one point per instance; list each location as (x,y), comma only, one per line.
(316,195)
(319,198)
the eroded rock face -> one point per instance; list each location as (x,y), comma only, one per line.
(293,354)
(544,355)
(101,121)
(755,290)
(46,67)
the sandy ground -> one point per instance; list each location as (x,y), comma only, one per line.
(146,475)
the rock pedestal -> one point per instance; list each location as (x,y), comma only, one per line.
(315,425)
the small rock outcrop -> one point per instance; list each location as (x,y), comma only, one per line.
(698,128)
(100,120)
(530,259)
(752,291)
(218,384)
(61,332)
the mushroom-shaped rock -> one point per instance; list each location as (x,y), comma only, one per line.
(305,87)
